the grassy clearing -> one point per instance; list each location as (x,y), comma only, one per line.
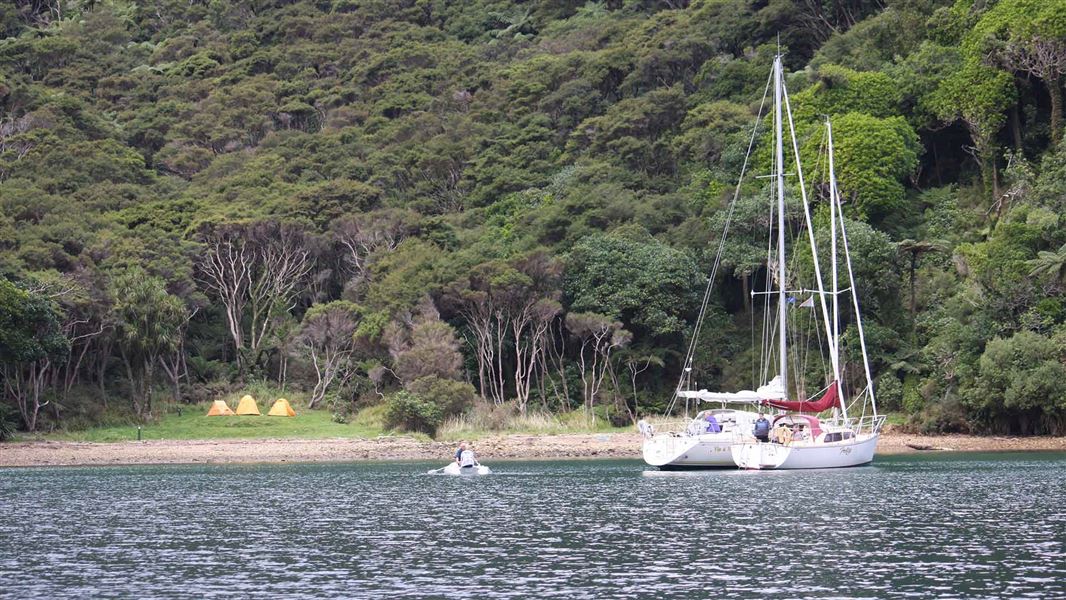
(188,422)
(191,424)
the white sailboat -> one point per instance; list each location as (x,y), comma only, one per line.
(699,444)
(694,448)
(799,439)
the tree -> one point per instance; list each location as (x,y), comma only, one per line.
(914,250)
(279,155)
(365,234)
(1050,264)
(978,96)
(632,131)
(1029,36)
(998,266)
(471,298)
(637,279)
(531,302)
(636,364)
(509,308)
(150,323)
(403,277)
(426,347)
(327,338)
(30,340)
(839,90)
(709,129)
(873,156)
(258,272)
(175,363)
(598,336)
(823,18)
(1050,188)
(1021,384)
(86,322)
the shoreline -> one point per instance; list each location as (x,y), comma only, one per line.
(390,448)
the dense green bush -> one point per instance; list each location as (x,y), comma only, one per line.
(889,392)
(9,422)
(453,397)
(409,412)
(1020,385)
(947,416)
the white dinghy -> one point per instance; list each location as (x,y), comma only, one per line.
(455,469)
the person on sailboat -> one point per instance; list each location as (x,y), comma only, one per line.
(783,434)
(645,428)
(712,424)
(762,428)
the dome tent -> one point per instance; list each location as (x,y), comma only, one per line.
(281,408)
(219,408)
(248,406)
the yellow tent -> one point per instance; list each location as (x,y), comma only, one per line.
(220,409)
(281,408)
(247,406)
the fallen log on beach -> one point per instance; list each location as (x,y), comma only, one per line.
(927,447)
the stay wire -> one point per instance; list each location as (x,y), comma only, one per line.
(721,249)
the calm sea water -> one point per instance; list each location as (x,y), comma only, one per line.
(958,525)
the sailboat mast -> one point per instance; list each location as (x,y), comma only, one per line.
(833,207)
(833,238)
(780,161)
(839,209)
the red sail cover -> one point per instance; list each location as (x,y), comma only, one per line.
(826,402)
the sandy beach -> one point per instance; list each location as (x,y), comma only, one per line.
(615,445)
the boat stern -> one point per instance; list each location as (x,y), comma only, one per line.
(662,450)
(759,455)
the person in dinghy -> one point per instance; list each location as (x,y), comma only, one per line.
(466,457)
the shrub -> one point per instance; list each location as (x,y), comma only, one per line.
(946,416)
(408,412)
(1020,385)
(914,393)
(482,416)
(453,397)
(371,417)
(9,421)
(889,393)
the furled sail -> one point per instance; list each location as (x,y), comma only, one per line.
(827,401)
(770,391)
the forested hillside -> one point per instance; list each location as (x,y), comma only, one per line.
(450,205)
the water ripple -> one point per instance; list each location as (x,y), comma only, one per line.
(949,526)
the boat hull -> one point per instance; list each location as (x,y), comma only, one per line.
(709,451)
(848,453)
